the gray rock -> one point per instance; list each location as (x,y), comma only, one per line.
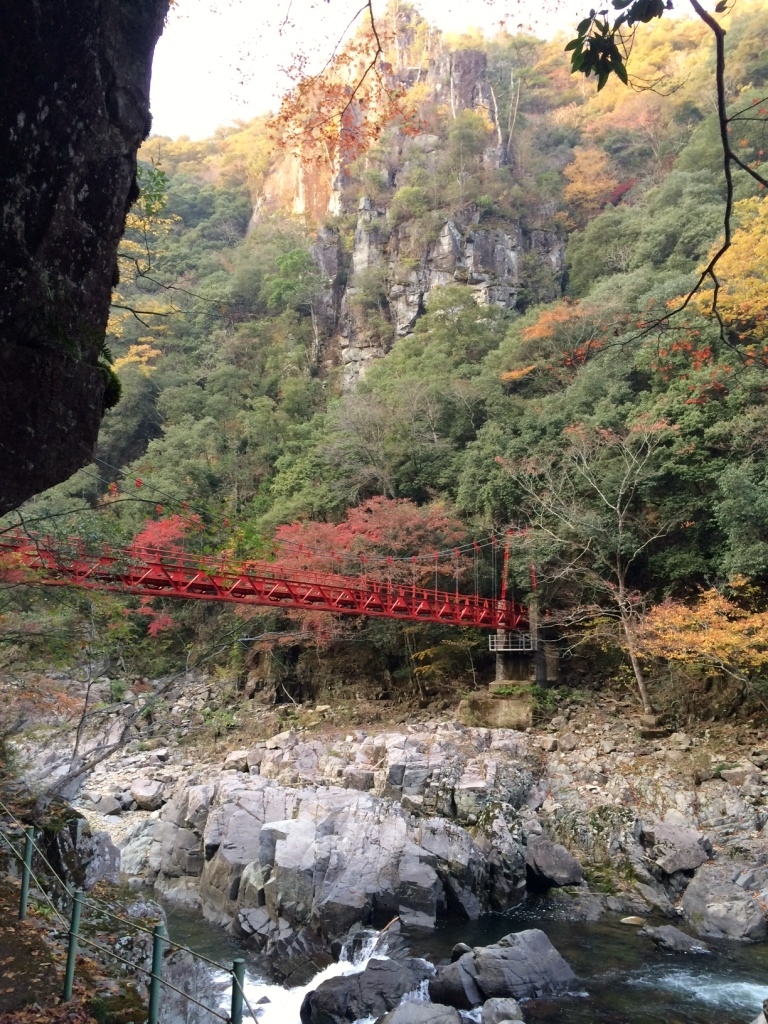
(568,742)
(455,984)
(739,776)
(324,857)
(673,940)
(717,907)
(498,1010)
(101,859)
(421,1013)
(371,993)
(674,848)
(108,805)
(148,794)
(253,758)
(459,950)
(237,759)
(524,965)
(654,894)
(189,977)
(551,864)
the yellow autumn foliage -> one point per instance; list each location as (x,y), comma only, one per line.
(715,631)
(141,355)
(743,274)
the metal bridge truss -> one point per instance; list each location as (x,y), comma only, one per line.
(154,572)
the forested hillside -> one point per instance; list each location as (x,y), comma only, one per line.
(443,324)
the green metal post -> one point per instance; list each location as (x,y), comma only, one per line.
(158,940)
(238,979)
(74,931)
(26,871)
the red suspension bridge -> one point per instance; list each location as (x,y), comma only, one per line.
(157,572)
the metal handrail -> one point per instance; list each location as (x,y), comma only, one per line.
(511,642)
(80,901)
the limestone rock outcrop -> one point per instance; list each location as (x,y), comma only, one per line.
(309,841)
(379,282)
(719,907)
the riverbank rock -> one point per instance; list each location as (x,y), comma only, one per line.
(325,857)
(370,993)
(421,1013)
(148,794)
(718,907)
(188,979)
(438,819)
(674,848)
(551,864)
(671,939)
(496,1011)
(524,965)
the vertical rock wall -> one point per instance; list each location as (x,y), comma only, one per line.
(74,108)
(379,287)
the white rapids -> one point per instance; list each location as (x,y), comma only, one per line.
(717,990)
(284,1003)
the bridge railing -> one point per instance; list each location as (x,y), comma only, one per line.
(150,569)
(77,903)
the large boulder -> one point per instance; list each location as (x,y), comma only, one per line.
(716,906)
(550,864)
(370,993)
(148,794)
(524,965)
(421,1013)
(673,848)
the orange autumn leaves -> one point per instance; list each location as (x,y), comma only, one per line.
(333,117)
(715,631)
(564,335)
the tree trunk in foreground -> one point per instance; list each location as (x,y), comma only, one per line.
(74,108)
(639,677)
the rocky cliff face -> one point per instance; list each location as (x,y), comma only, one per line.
(379,283)
(74,107)
(489,260)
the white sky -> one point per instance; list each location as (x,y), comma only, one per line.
(220,61)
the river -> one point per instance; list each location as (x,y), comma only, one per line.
(623,979)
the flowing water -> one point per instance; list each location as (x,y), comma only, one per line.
(623,979)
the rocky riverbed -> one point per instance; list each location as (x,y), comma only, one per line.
(287,838)
(289,841)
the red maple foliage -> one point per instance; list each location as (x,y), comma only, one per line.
(164,536)
(384,539)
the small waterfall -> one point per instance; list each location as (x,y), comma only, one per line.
(361,947)
(274,1004)
(420,995)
